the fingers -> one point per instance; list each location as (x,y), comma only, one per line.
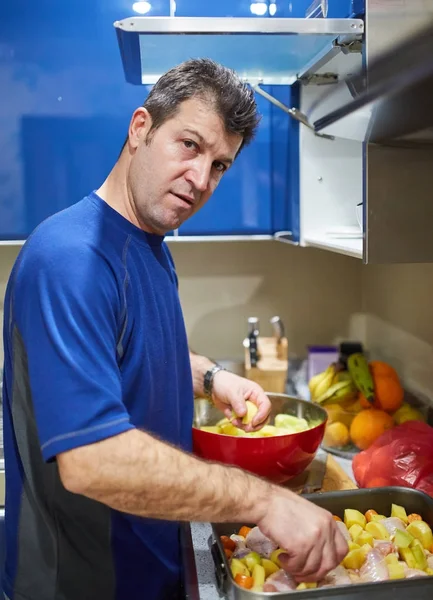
(341,545)
(263,403)
(317,549)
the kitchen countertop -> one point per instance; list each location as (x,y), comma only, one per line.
(200,534)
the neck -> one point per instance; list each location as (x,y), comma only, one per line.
(114,191)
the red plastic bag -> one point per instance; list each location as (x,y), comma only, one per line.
(401,456)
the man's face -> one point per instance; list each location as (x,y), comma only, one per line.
(174,173)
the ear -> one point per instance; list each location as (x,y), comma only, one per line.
(139,126)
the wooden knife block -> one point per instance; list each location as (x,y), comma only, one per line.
(271,369)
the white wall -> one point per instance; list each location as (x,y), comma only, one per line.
(223,283)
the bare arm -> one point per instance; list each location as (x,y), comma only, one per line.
(135,473)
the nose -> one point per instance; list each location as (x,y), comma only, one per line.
(199,175)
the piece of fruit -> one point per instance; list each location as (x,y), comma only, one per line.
(355,530)
(396,571)
(354,517)
(388,394)
(408,413)
(320,383)
(258,575)
(211,428)
(336,435)
(336,518)
(377,530)
(402,539)
(369,515)
(228,553)
(408,557)
(399,512)
(252,410)
(245,581)
(354,559)
(422,532)
(230,429)
(391,559)
(377,518)
(358,367)
(269,567)
(274,556)
(244,531)
(419,554)
(228,543)
(338,414)
(251,559)
(368,425)
(306,586)
(353,546)
(414,517)
(378,368)
(238,568)
(291,422)
(338,392)
(365,538)
(429,571)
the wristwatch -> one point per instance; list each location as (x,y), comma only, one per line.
(208,379)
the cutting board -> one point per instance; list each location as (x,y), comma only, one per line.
(336,478)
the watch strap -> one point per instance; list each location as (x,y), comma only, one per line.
(208,379)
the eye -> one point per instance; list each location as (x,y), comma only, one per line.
(190,145)
(220,167)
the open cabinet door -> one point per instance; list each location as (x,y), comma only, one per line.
(388,107)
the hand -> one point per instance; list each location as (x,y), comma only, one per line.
(230,392)
(308,533)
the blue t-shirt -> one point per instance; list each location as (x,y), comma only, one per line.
(95,345)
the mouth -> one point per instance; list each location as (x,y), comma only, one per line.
(187,199)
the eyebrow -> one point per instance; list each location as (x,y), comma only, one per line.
(203,141)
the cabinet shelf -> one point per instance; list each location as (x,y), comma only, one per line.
(348,246)
(268,51)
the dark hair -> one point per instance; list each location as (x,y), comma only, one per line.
(231,98)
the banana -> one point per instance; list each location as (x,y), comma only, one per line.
(343,376)
(338,392)
(316,379)
(324,383)
(314,382)
(360,371)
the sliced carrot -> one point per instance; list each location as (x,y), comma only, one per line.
(369,515)
(414,517)
(227,543)
(336,518)
(244,581)
(244,531)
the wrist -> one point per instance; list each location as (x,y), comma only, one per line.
(208,380)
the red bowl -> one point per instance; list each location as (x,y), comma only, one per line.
(277,458)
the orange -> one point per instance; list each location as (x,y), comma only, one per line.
(368,425)
(388,392)
(379,368)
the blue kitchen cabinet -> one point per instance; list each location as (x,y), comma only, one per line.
(65,105)
(259,195)
(253,197)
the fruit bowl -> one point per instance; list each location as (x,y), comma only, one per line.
(278,458)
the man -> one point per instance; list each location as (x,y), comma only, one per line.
(99,381)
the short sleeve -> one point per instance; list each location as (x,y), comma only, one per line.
(67,311)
